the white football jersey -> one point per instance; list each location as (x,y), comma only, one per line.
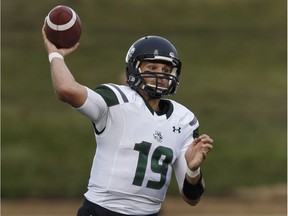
(136,149)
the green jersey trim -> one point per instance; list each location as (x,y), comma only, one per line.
(124,98)
(108,93)
(166,107)
(110,96)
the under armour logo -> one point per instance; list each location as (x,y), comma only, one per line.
(176,129)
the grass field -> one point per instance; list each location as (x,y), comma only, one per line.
(273,204)
(234,79)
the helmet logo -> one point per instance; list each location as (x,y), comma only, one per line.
(130,53)
(156,52)
(171,54)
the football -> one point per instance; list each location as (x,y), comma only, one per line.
(63,26)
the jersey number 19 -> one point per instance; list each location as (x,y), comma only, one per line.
(160,159)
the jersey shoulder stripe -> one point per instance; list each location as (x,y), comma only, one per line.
(123,96)
(194,121)
(112,94)
(187,117)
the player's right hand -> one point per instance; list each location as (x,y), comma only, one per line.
(50,47)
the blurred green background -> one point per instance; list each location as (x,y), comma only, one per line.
(233,79)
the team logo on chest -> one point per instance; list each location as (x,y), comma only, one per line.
(158,136)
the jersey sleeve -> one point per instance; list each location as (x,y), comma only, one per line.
(180,163)
(95,108)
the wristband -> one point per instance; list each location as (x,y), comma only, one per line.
(193,192)
(191,173)
(54,55)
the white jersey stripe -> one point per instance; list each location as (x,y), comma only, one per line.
(63,27)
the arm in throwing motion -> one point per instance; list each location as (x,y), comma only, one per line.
(65,86)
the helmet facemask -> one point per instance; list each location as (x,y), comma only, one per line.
(136,80)
(152,49)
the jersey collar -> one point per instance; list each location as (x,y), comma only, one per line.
(166,107)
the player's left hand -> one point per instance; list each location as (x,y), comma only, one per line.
(197,151)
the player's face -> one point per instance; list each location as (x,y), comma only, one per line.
(156,67)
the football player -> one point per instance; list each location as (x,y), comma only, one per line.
(140,135)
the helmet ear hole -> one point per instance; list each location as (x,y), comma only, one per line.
(131,78)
